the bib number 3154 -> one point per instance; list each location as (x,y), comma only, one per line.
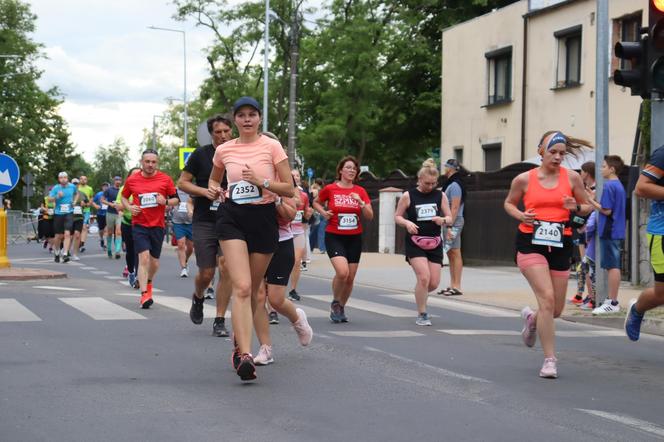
(244,192)
(347,221)
(547,233)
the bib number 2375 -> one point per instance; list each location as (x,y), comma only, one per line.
(547,233)
(244,192)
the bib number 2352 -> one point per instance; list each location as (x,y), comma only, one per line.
(547,233)
(244,192)
(347,221)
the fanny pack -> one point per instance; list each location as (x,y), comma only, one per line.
(426,242)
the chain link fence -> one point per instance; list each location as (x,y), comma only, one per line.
(21,226)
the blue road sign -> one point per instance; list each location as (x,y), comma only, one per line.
(310,172)
(9,173)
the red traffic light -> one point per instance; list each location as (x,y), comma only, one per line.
(659,4)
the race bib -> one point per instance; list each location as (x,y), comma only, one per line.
(244,192)
(298,216)
(65,208)
(215,205)
(426,212)
(348,221)
(182,208)
(104,206)
(148,200)
(78,210)
(49,211)
(547,233)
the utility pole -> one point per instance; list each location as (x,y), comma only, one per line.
(292,105)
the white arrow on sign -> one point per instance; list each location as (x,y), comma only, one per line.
(5,179)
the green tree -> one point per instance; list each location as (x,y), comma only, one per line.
(110,161)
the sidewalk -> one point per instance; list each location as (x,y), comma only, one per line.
(503,287)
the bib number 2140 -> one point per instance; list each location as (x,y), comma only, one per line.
(547,233)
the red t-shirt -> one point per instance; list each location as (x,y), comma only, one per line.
(144,191)
(347,211)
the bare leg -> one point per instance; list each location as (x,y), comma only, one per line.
(224,289)
(261,323)
(540,281)
(651,298)
(341,269)
(202,280)
(421,268)
(456,267)
(143,265)
(348,289)
(295,274)
(277,297)
(614,283)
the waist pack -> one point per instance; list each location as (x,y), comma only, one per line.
(426,242)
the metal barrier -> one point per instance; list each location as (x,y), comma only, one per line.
(21,226)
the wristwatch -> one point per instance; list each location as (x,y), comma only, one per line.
(266,183)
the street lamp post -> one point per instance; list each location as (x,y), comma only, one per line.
(184,45)
(266,53)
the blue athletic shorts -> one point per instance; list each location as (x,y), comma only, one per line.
(86,218)
(183,230)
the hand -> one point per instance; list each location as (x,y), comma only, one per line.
(135,210)
(528,217)
(438,220)
(412,228)
(60,194)
(328,214)
(448,235)
(356,197)
(249,175)
(569,203)
(591,193)
(161,199)
(213,193)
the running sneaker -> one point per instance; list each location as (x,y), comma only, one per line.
(219,327)
(184,273)
(196,310)
(57,257)
(125,272)
(75,258)
(423,319)
(264,356)
(529,331)
(633,321)
(66,258)
(576,300)
(45,244)
(293,295)
(131,278)
(101,243)
(82,249)
(246,368)
(209,293)
(118,256)
(588,305)
(335,312)
(146,300)
(137,285)
(549,370)
(273,318)
(304,332)
(342,316)
(606,308)
(110,254)
(303,266)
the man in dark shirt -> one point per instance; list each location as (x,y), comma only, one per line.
(113,218)
(206,245)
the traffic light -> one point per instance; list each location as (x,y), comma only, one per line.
(656,47)
(636,78)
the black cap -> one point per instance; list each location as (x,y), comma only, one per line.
(452,164)
(246,101)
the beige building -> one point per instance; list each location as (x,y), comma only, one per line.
(512,74)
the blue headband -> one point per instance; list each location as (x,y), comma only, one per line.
(557,137)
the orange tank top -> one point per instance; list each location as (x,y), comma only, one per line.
(547,203)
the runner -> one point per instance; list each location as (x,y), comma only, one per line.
(257,170)
(544,239)
(346,202)
(419,211)
(131,258)
(62,194)
(182,215)
(303,213)
(206,244)
(113,218)
(650,185)
(273,288)
(88,191)
(78,219)
(151,190)
(101,213)
(45,223)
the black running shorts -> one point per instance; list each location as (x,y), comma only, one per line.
(281,266)
(348,246)
(148,238)
(255,224)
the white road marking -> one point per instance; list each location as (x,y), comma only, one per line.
(378,334)
(589,333)
(13,311)
(561,334)
(101,309)
(117,278)
(183,305)
(53,287)
(438,370)
(373,307)
(480,332)
(631,422)
(460,306)
(313,312)
(99,272)
(89,268)
(3,283)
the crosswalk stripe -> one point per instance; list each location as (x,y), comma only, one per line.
(460,306)
(126,284)
(101,309)
(313,312)
(89,268)
(99,272)
(561,333)
(183,305)
(373,307)
(480,332)
(53,287)
(378,334)
(13,311)
(117,278)
(629,421)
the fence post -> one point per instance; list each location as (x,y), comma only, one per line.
(4,261)
(387,227)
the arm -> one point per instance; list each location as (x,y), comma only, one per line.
(402,206)
(287,208)
(366,209)
(648,188)
(580,203)
(185,184)
(214,189)
(517,189)
(445,206)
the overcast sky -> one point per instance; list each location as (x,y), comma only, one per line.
(115,73)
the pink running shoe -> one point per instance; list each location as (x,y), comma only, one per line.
(264,356)
(529,331)
(304,332)
(549,370)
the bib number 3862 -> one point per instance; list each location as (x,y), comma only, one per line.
(244,192)
(347,221)
(547,233)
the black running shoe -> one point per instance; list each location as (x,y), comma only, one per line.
(196,310)
(219,327)
(246,368)
(82,249)
(118,256)
(274,318)
(335,312)
(66,258)
(235,356)
(342,316)
(209,293)
(57,257)
(293,295)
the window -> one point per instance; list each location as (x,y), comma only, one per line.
(492,153)
(458,154)
(569,57)
(499,64)
(625,29)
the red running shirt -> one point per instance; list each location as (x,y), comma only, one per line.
(144,191)
(346,211)
(547,203)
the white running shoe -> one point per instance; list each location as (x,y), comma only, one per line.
(606,308)
(184,273)
(304,332)
(75,258)
(264,356)
(549,370)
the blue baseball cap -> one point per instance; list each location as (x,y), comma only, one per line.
(246,101)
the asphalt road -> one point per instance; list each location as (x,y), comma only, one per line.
(80,361)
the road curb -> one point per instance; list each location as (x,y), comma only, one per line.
(25,274)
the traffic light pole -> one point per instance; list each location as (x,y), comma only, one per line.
(656,119)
